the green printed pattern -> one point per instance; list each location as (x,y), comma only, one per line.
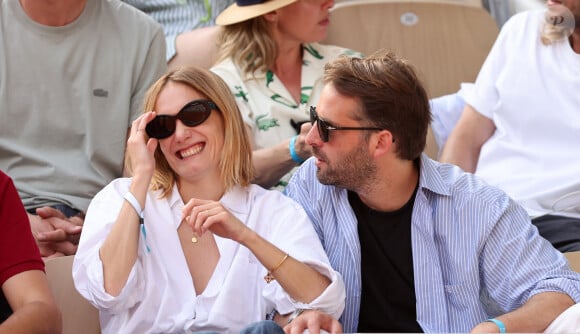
(264,123)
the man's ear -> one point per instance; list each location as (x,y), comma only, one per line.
(382,143)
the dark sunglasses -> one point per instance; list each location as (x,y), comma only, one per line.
(324,127)
(192,114)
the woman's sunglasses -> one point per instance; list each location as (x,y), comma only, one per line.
(324,127)
(192,114)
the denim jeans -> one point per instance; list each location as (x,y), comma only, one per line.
(260,327)
(263,327)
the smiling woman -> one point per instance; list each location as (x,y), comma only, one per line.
(182,268)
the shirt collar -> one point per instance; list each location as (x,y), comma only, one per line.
(431,178)
(234,200)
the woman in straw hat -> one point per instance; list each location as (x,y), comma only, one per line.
(270,60)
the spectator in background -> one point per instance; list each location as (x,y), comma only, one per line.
(26,303)
(73,75)
(206,254)
(520,128)
(270,58)
(421,246)
(189,27)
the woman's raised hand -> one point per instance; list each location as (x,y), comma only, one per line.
(140,150)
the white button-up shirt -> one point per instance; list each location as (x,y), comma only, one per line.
(159,295)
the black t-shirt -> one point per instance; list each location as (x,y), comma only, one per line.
(388,302)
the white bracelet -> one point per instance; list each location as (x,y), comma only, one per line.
(129,197)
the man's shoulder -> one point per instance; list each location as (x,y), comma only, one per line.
(452,182)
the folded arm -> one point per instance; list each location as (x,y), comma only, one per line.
(533,317)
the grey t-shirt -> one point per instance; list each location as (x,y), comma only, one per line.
(68,95)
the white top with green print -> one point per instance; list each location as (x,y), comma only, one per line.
(266,104)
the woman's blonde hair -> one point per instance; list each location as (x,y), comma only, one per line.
(236,156)
(250,45)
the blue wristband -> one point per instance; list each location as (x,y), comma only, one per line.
(292,150)
(499,324)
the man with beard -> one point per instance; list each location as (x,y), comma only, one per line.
(422,246)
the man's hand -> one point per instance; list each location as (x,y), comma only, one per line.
(315,322)
(55,234)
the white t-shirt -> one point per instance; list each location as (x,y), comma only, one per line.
(532,94)
(159,296)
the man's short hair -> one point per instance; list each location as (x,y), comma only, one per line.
(391,97)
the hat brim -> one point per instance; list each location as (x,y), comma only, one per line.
(235,14)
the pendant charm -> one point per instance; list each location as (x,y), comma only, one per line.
(194,240)
(269,278)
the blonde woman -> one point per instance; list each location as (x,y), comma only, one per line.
(187,244)
(270,59)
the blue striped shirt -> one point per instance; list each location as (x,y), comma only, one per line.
(475,253)
(179,16)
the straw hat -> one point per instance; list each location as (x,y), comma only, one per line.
(243,10)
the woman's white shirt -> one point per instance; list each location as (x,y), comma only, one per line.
(159,295)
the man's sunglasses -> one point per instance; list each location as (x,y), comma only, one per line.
(324,127)
(192,114)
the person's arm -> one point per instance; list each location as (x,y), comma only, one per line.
(522,272)
(34,308)
(119,250)
(533,317)
(299,280)
(465,141)
(270,164)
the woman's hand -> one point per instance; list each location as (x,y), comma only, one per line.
(302,148)
(140,150)
(205,215)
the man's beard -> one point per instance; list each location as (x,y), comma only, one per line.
(354,171)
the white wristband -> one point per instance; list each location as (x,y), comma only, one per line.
(129,197)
